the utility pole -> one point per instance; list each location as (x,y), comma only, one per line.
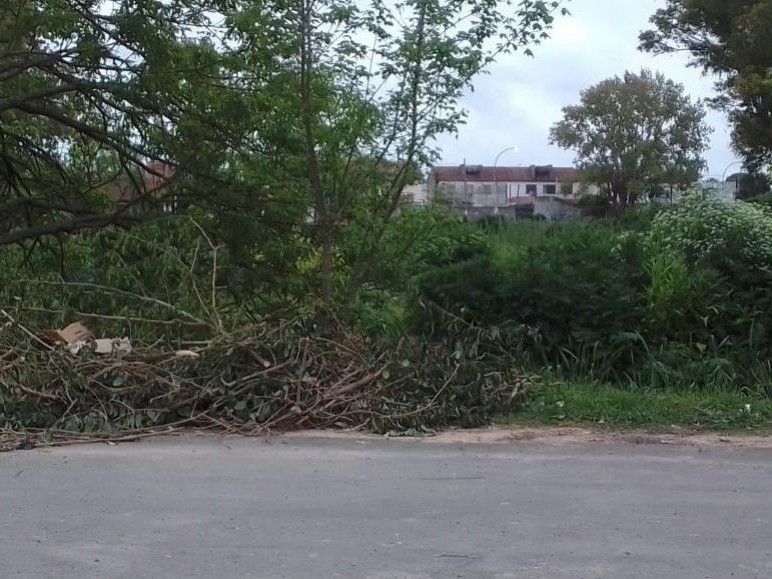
(723,178)
(495,176)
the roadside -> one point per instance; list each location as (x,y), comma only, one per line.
(610,407)
(557,436)
(555,414)
(525,434)
(204,506)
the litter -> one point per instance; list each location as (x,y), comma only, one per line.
(77,336)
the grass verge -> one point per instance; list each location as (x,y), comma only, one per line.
(577,404)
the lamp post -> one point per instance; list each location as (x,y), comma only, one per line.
(495,167)
(723,177)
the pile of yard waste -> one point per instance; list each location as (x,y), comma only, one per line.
(64,385)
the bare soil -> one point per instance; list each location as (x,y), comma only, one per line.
(567,436)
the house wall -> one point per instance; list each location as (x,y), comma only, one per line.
(416,194)
(489,194)
(553,209)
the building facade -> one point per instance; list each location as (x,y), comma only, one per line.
(481,186)
(537,191)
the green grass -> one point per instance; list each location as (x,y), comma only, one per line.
(573,404)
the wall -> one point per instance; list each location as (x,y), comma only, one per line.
(553,209)
(416,194)
(484,194)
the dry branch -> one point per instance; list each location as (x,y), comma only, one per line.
(268,376)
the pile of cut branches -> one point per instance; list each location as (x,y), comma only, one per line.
(269,376)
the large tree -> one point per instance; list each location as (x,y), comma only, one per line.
(633,134)
(310,114)
(362,88)
(93,92)
(731,39)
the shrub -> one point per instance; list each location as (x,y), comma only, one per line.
(679,298)
(417,241)
(733,242)
(565,289)
(762,200)
(708,230)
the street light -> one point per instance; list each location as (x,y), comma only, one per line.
(723,177)
(495,166)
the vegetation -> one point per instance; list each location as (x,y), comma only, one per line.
(634,134)
(732,40)
(605,406)
(669,303)
(219,182)
(675,299)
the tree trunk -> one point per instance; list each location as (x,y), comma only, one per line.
(322,216)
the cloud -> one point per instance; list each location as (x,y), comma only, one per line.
(521,98)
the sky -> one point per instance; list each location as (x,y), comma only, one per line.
(517,103)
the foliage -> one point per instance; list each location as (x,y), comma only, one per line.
(706,229)
(363,89)
(720,256)
(730,39)
(762,200)
(169,277)
(305,116)
(610,406)
(416,242)
(169,284)
(638,219)
(632,134)
(675,298)
(271,375)
(680,295)
(93,93)
(565,289)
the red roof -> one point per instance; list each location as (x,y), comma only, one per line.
(478,173)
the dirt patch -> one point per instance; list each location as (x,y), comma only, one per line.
(513,435)
(564,436)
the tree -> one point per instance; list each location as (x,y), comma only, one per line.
(363,88)
(92,92)
(308,115)
(730,39)
(634,134)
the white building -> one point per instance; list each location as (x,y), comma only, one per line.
(416,194)
(480,186)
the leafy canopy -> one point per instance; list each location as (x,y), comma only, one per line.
(92,92)
(633,134)
(731,39)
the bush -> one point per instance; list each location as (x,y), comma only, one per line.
(707,230)
(762,200)
(732,244)
(269,375)
(561,289)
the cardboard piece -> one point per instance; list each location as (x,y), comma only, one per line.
(72,334)
(112,346)
(76,336)
(102,346)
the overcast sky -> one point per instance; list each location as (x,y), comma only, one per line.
(522,97)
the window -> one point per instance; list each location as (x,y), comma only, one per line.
(530,189)
(566,189)
(550,189)
(487,189)
(170,204)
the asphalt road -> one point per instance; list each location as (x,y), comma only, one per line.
(301,508)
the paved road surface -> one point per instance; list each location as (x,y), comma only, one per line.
(302,508)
